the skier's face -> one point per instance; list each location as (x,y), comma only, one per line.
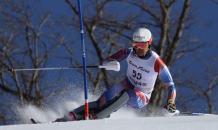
(141,52)
(141,48)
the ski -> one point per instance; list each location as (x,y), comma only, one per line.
(36,122)
(33,121)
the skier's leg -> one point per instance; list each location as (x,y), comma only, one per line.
(112,92)
(77,114)
(111,106)
(137,99)
(109,102)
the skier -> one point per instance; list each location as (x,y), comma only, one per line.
(135,90)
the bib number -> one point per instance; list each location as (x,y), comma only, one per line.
(137,75)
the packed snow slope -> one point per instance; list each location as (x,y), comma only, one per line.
(122,123)
(124,119)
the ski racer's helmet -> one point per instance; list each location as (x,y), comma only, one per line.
(142,35)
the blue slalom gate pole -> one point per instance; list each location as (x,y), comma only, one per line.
(84,61)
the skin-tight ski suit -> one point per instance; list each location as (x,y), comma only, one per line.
(141,76)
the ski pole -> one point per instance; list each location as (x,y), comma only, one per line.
(194,113)
(115,67)
(52,68)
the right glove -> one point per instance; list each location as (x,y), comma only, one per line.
(169,109)
(111,65)
(170,106)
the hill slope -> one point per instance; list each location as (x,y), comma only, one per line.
(136,123)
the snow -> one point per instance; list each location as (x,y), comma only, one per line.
(126,120)
(153,123)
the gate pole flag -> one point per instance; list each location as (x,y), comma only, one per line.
(84,61)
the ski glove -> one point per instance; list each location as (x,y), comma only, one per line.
(111,65)
(170,106)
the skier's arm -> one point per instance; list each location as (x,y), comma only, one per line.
(119,56)
(166,77)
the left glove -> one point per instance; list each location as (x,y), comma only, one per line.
(170,106)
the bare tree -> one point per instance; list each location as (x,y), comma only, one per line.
(215,1)
(27,39)
(202,86)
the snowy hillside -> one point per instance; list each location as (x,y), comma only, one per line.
(151,123)
(123,119)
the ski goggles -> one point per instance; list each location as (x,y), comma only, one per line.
(141,45)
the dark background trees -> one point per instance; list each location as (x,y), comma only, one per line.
(36,37)
(28,37)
